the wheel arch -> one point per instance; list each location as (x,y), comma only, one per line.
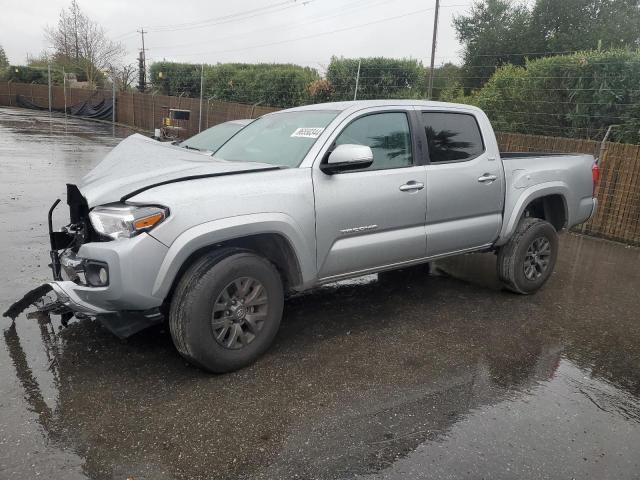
(548,202)
(277,240)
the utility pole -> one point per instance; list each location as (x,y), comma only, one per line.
(433,50)
(355,92)
(142,64)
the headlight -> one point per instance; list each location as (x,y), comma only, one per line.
(120,220)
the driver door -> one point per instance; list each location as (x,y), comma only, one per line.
(372,218)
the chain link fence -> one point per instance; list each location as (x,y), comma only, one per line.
(618,217)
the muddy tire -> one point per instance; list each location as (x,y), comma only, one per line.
(526,262)
(226,310)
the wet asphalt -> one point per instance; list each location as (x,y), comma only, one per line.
(407,375)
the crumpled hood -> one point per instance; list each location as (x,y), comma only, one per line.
(139,162)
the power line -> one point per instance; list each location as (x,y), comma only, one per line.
(237,16)
(233,17)
(339,30)
(317,19)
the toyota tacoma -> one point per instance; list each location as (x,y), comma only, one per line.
(299,198)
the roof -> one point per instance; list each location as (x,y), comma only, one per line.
(360,104)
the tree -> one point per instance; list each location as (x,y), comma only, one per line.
(81,43)
(499,32)
(494,33)
(446,77)
(573,25)
(124,76)
(4,61)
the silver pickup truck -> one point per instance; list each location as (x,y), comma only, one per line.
(299,198)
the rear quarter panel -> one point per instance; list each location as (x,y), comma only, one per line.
(534,177)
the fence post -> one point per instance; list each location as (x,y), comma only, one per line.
(9,90)
(355,92)
(208,100)
(200,108)
(64,91)
(113,100)
(49,82)
(133,109)
(153,112)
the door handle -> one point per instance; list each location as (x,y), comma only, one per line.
(411,186)
(487,178)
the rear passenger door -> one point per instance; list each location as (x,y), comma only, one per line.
(465,182)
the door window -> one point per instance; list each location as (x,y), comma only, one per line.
(452,137)
(387,134)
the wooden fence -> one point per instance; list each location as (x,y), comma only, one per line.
(618,217)
(141,111)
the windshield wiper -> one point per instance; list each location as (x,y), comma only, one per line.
(191,148)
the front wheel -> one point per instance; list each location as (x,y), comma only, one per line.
(527,260)
(226,310)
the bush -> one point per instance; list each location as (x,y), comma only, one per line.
(380,78)
(24,74)
(171,78)
(576,95)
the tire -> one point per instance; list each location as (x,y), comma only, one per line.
(213,282)
(517,257)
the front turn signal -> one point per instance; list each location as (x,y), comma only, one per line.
(148,222)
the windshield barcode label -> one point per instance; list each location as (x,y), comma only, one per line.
(308,132)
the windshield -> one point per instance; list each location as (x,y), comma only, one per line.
(213,138)
(281,139)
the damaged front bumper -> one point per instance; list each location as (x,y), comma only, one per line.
(121,323)
(110,281)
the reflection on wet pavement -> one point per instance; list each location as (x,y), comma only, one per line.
(409,375)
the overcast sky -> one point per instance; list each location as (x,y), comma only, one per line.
(303,32)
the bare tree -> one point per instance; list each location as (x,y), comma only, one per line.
(124,76)
(82,43)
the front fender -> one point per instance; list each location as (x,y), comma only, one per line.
(523,198)
(216,231)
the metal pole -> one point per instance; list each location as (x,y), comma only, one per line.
(208,102)
(200,109)
(603,145)
(113,98)
(153,111)
(64,91)
(433,50)
(49,81)
(355,92)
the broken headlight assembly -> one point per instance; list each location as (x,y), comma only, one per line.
(126,221)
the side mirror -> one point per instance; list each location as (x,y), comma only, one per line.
(348,157)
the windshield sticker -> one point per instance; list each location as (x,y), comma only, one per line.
(307,132)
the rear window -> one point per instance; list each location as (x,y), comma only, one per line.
(452,137)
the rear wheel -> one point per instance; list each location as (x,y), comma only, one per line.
(226,310)
(527,261)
